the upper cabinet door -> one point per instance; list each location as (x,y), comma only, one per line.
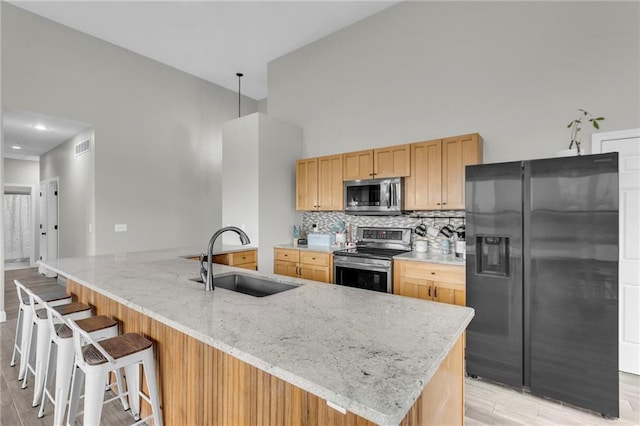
(307,184)
(393,161)
(330,184)
(423,189)
(457,153)
(358,165)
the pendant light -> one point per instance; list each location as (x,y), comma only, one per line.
(239,74)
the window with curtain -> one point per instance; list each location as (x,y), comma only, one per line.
(17,227)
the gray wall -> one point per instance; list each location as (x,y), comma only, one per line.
(76,194)
(513,71)
(157,130)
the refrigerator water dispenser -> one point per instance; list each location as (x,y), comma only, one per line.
(493,256)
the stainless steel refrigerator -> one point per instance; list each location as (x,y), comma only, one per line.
(542,276)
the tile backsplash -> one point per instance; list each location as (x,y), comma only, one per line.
(324,221)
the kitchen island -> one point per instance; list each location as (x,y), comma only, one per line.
(318,354)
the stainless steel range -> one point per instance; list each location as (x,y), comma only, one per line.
(370,264)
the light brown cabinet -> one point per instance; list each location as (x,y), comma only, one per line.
(430,281)
(392,161)
(247,259)
(319,184)
(310,265)
(437,172)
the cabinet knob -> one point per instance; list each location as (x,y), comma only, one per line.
(444,204)
(429,291)
(244,257)
(433,273)
(437,204)
(313,258)
(435,292)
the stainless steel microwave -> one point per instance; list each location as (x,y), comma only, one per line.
(374,196)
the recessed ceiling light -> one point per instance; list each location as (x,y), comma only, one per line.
(40,127)
(16,147)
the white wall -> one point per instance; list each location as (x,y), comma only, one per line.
(76,194)
(258,192)
(157,130)
(513,71)
(240,185)
(21,172)
(3,314)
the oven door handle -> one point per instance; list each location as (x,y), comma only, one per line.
(358,265)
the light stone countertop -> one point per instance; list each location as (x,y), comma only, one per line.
(368,352)
(322,249)
(431,257)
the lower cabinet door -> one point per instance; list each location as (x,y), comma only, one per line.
(289,269)
(410,287)
(316,273)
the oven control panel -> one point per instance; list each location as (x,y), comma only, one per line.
(381,234)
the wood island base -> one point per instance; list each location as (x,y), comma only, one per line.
(201,385)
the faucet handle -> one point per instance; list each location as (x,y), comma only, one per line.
(203,269)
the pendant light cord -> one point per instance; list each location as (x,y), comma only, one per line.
(239,74)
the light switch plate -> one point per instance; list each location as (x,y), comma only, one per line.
(121,227)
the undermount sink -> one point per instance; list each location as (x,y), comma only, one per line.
(253,286)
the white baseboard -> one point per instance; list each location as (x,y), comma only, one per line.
(3,316)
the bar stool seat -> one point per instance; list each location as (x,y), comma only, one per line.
(75,310)
(52,293)
(117,347)
(94,360)
(61,362)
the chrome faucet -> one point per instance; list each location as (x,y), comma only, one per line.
(205,274)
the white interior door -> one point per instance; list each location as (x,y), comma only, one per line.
(52,220)
(43,225)
(48,223)
(627,144)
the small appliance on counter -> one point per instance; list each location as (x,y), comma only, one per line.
(422,246)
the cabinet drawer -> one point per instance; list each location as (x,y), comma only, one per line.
(242,257)
(315,258)
(287,255)
(433,272)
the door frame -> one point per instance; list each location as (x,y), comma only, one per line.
(34,217)
(596,148)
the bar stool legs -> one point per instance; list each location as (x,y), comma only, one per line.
(61,360)
(22,342)
(96,359)
(75,310)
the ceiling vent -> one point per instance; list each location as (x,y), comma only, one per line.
(83,147)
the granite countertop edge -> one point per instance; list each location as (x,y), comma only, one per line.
(362,409)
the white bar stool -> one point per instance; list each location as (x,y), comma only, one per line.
(25,317)
(75,310)
(96,359)
(61,362)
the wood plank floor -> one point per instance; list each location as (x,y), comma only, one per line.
(486,403)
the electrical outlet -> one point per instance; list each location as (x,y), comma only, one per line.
(121,227)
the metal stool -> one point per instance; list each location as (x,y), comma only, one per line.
(76,310)
(96,359)
(25,317)
(61,362)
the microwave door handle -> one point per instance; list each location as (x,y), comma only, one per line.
(394,194)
